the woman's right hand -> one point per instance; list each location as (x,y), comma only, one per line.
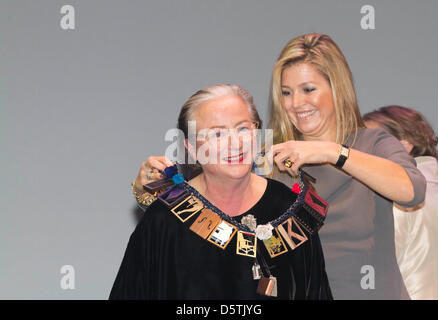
(151,171)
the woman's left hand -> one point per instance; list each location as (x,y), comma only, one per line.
(302,152)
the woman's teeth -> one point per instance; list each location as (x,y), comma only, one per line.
(236,158)
(302,115)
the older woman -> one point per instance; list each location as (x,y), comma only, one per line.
(360,172)
(198,239)
(416,229)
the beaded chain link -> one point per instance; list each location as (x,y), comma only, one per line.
(286,215)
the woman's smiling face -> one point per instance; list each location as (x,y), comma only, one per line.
(225,130)
(308,100)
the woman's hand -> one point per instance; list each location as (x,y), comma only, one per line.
(303,152)
(150,171)
(381,175)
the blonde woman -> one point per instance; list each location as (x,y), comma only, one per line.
(360,172)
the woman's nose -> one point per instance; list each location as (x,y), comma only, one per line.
(234,140)
(297,100)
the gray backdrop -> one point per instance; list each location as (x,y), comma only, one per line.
(81,109)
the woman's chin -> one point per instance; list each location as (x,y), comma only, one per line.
(306,127)
(235,170)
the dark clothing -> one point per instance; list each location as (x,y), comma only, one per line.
(166,260)
(359,228)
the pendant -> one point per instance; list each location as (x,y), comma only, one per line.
(293,234)
(275,244)
(246,244)
(158,185)
(319,205)
(187,208)
(205,223)
(256,271)
(268,286)
(249,221)
(173,196)
(264,231)
(222,235)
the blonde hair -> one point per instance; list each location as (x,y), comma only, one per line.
(324,55)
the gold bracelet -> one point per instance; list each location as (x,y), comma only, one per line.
(144,199)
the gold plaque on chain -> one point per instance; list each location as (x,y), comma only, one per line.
(246,244)
(187,208)
(205,223)
(275,244)
(222,235)
(293,234)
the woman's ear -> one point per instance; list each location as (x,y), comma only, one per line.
(190,149)
(408,146)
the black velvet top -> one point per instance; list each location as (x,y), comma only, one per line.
(164,259)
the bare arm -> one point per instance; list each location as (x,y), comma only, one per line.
(383,176)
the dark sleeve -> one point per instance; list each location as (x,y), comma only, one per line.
(132,280)
(387,146)
(318,287)
(142,207)
(139,273)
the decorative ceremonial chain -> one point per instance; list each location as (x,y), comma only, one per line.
(217,227)
(286,215)
(145,199)
(209,205)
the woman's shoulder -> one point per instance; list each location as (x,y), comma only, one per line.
(366,136)
(279,195)
(368,140)
(278,187)
(156,216)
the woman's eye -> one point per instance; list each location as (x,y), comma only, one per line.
(308,89)
(285,93)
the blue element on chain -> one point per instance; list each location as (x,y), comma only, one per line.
(178,178)
(169,172)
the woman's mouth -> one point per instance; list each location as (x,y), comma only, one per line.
(305,114)
(236,159)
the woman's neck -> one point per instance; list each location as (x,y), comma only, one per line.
(232,196)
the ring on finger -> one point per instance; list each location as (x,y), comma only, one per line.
(149,174)
(288,163)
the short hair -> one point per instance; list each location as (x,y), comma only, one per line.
(204,95)
(321,52)
(407,124)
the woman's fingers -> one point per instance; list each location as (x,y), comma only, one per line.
(273,152)
(157,162)
(300,153)
(284,160)
(153,168)
(285,157)
(293,170)
(166,161)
